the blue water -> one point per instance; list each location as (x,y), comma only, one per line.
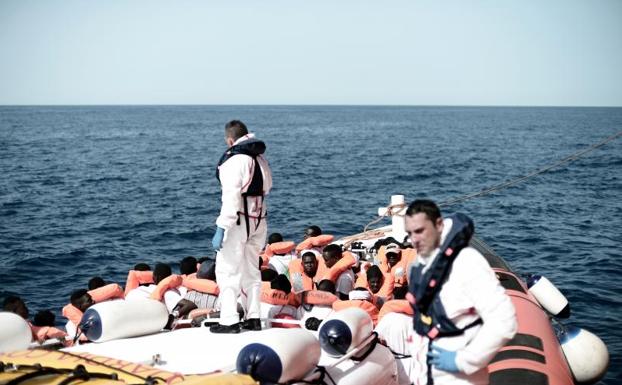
(91,191)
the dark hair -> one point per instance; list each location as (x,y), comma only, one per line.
(11,302)
(326,285)
(268,275)
(188,265)
(309,253)
(207,270)
(373,271)
(44,318)
(96,282)
(77,297)
(281,283)
(426,206)
(161,271)
(142,267)
(313,231)
(235,129)
(274,238)
(332,250)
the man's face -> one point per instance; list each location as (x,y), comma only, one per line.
(329,259)
(309,265)
(393,258)
(424,234)
(375,283)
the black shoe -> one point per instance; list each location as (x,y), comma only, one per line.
(225,329)
(252,324)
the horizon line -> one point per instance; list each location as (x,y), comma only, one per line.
(313,105)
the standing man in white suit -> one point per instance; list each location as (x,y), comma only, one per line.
(246,179)
(462,314)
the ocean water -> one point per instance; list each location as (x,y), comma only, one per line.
(91,191)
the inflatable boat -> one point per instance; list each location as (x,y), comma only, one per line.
(343,349)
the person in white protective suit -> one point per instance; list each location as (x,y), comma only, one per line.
(246,179)
(471,301)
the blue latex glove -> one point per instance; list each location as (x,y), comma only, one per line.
(217,239)
(443,359)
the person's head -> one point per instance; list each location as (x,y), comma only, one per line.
(312,231)
(15,304)
(267,275)
(81,299)
(188,266)
(331,254)
(142,267)
(309,264)
(234,130)
(161,271)
(375,279)
(327,285)
(207,270)
(281,283)
(44,318)
(424,226)
(393,254)
(274,238)
(96,282)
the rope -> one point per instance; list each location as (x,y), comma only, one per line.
(532,174)
(491,189)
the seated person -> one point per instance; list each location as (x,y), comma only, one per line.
(274,238)
(81,300)
(277,300)
(380,285)
(96,282)
(15,304)
(316,305)
(188,266)
(207,296)
(312,231)
(172,298)
(345,282)
(303,273)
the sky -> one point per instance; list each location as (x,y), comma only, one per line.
(313,52)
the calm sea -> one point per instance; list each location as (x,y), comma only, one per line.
(89,191)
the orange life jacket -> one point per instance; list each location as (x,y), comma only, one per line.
(369,307)
(395,306)
(136,278)
(277,297)
(386,290)
(401,268)
(201,285)
(43,333)
(347,261)
(308,283)
(319,297)
(319,241)
(104,293)
(173,281)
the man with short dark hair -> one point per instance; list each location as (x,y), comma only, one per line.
(312,231)
(240,235)
(469,316)
(15,304)
(345,282)
(188,266)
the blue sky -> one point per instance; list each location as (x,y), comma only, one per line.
(514,52)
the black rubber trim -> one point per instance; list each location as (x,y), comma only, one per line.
(526,340)
(518,377)
(509,282)
(519,354)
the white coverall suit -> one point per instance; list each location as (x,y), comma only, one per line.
(237,262)
(471,291)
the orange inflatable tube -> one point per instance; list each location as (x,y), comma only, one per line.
(534,354)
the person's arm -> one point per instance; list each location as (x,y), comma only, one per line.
(492,305)
(234,173)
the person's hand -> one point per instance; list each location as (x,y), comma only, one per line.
(217,239)
(443,359)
